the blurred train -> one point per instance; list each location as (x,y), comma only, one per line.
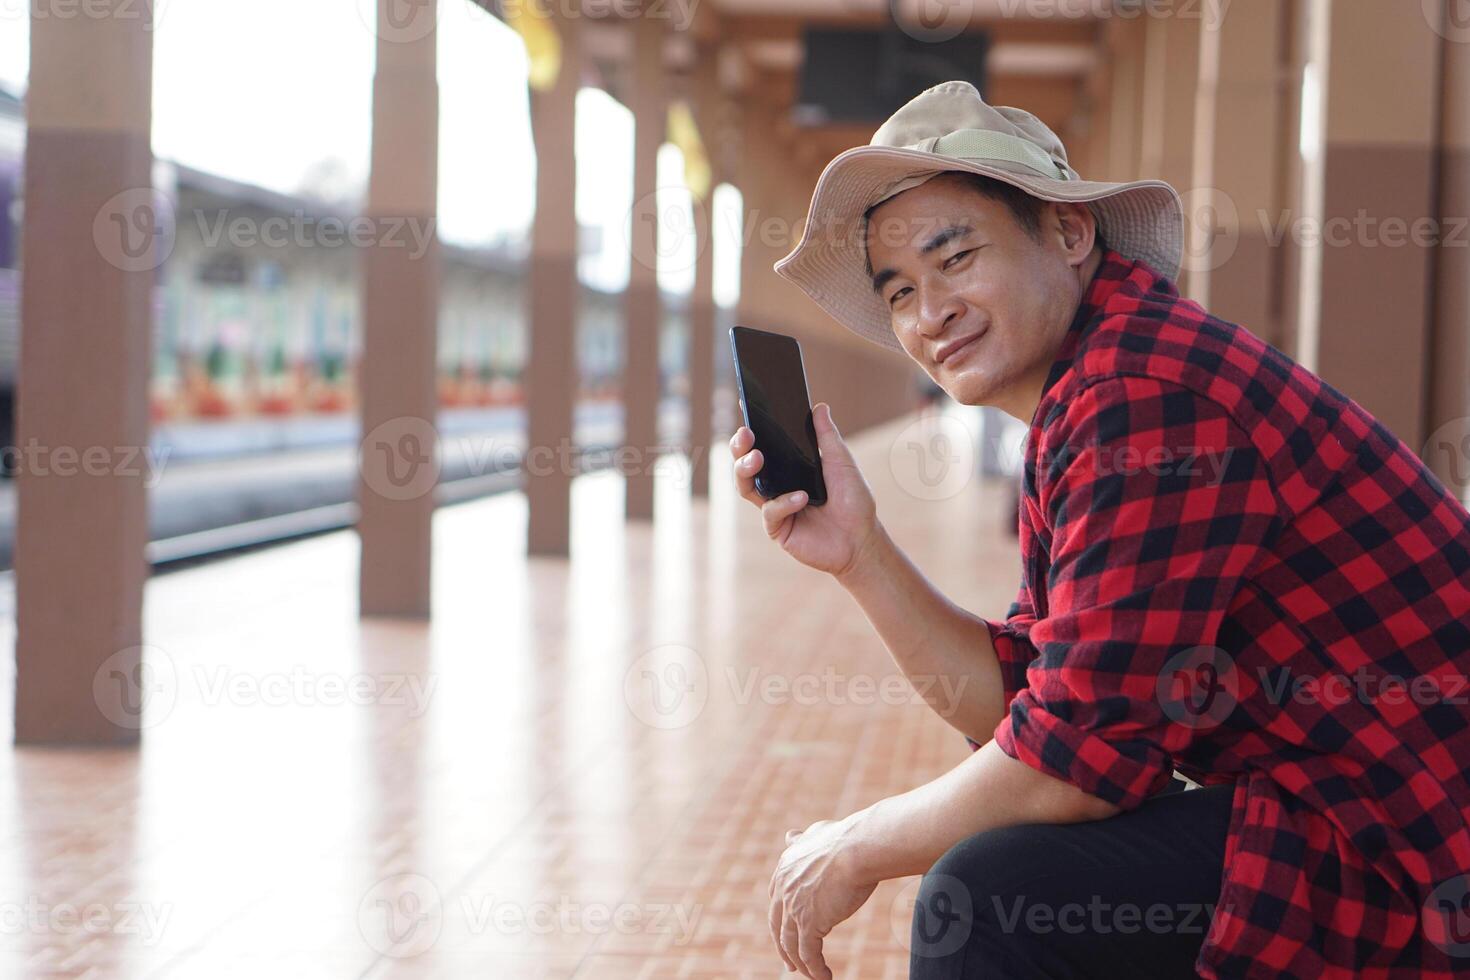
(12,147)
(257,306)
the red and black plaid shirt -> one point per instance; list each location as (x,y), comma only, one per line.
(1233,570)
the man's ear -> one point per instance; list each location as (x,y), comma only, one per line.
(1077,227)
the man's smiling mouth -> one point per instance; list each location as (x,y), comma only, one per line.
(948,351)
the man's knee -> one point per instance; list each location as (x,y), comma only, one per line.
(944,913)
(964,910)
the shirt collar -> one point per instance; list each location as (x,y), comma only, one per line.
(1113,273)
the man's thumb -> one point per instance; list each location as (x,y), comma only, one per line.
(829,440)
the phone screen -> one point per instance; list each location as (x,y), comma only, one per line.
(774,400)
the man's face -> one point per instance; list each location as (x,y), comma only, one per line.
(979,301)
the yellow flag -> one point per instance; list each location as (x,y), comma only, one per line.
(684,134)
(543,45)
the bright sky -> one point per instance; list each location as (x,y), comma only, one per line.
(278,93)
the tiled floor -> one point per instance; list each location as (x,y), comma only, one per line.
(579,768)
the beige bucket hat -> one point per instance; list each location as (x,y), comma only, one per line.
(947,128)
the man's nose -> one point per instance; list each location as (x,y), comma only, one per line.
(937,311)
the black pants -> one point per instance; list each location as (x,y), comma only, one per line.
(1127,897)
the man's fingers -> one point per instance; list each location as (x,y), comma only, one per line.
(749,464)
(746,468)
(813,963)
(741,442)
(791,942)
(775,922)
(775,511)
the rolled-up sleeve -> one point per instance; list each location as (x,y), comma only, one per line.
(1011,638)
(1158,506)
(1012,643)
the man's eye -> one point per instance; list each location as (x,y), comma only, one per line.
(899,295)
(956,257)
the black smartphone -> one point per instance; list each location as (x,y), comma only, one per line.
(773,399)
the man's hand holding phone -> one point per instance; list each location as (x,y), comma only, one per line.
(830,538)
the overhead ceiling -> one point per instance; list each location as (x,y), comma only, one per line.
(1018,58)
(931,11)
(1049,46)
(1032,38)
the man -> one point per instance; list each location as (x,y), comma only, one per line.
(1230,570)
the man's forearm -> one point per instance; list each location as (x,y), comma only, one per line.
(905,834)
(945,651)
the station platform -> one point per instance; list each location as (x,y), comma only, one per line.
(579,768)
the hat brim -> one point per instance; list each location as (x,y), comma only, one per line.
(1141,219)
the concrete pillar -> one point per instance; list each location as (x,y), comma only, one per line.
(1097,106)
(399,453)
(552,297)
(94,238)
(1293,57)
(1170,87)
(702,346)
(643,309)
(1125,46)
(710,107)
(1368,281)
(1449,378)
(1236,168)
